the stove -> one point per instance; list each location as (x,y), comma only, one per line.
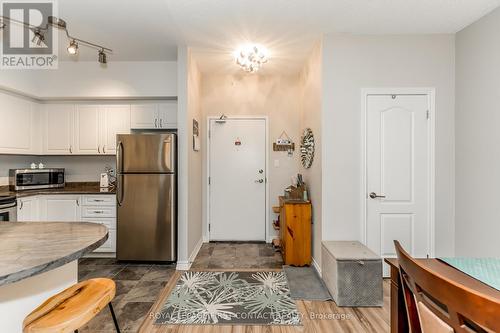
(8,208)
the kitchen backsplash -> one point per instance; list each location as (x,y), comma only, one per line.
(78,168)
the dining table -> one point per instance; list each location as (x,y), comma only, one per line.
(399,319)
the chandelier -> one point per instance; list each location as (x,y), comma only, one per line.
(251,57)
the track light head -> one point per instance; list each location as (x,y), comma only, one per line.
(102,57)
(38,38)
(60,23)
(73,47)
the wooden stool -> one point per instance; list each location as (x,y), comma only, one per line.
(72,308)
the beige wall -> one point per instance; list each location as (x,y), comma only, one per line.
(353,62)
(274,96)
(194,157)
(310,116)
(477,137)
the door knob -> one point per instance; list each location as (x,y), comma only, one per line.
(374,195)
(259,181)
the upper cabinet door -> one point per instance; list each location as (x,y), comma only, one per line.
(18,126)
(57,129)
(167,112)
(115,119)
(144,116)
(87,130)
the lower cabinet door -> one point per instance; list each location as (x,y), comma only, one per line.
(110,244)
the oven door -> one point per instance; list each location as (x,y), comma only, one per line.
(8,212)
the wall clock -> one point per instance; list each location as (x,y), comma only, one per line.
(307,148)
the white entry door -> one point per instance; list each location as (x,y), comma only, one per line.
(398,173)
(237,182)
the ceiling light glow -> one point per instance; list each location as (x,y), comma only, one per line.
(251,57)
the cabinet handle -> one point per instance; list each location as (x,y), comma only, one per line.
(161,126)
(22,204)
(99,149)
(78,202)
(98,211)
(104,149)
(98,200)
(156,123)
(71,149)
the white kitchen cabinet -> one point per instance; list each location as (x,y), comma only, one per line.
(58,128)
(167,114)
(101,209)
(28,209)
(144,116)
(154,115)
(87,134)
(115,119)
(19,130)
(60,208)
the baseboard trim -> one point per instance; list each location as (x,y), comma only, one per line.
(100,255)
(316,267)
(183,265)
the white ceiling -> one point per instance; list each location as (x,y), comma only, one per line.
(149,30)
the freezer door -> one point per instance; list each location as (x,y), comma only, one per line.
(147,220)
(146,153)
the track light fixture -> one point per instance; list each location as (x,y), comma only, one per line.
(102,57)
(39,36)
(73,47)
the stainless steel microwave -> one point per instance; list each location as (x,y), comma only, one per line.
(31,179)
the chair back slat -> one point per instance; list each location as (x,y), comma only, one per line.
(446,303)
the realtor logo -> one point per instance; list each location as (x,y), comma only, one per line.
(28,40)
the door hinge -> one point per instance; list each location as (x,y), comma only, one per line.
(428,114)
(209,227)
(209,133)
(208,180)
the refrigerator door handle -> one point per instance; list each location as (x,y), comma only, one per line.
(119,157)
(119,189)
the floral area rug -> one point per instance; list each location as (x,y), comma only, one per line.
(231,298)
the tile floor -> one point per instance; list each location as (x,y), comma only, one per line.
(235,255)
(139,285)
(137,288)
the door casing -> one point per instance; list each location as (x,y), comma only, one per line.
(431,93)
(206,237)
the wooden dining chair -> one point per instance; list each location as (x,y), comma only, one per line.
(436,304)
(72,308)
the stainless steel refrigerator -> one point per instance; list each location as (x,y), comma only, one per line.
(146,197)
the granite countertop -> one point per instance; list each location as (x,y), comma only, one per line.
(70,188)
(31,248)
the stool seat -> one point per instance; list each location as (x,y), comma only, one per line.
(72,308)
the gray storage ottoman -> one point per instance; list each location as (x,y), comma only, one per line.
(352,273)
